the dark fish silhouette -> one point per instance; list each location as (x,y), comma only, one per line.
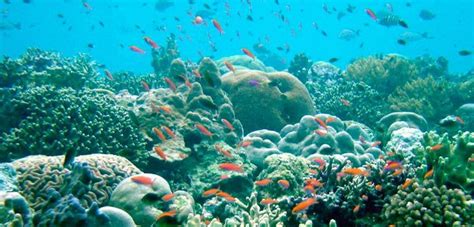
(464,52)
(426,15)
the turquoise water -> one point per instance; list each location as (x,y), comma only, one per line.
(126,22)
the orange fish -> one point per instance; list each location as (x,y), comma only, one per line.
(330,119)
(407,183)
(356,209)
(218,26)
(150,42)
(227,124)
(321,132)
(165,109)
(436,147)
(320,162)
(355,171)
(268,201)
(145,85)
(460,120)
(142,180)
(108,74)
(137,50)
(263,182)
(167,197)
(284,183)
(309,189)
(159,133)
(392,165)
(245,143)
(170,83)
(166,214)
(314,182)
(321,123)
(397,172)
(248,53)
(376,143)
(210,192)
(223,194)
(303,205)
(428,174)
(378,187)
(231,167)
(197,74)
(203,130)
(223,151)
(160,152)
(229,66)
(345,102)
(169,132)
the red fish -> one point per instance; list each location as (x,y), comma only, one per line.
(321,132)
(227,124)
(223,151)
(159,133)
(137,49)
(231,167)
(321,122)
(142,180)
(248,53)
(210,192)
(108,74)
(167,197)
(229,66)
(170,83)
(218,26)
(407,183)
(303,205)
(223,177)
(166,214)
(226,196)
(150,42)
(314,182)
(392,165)
(355,171)
(345,102)
(460,120)
(397,172)
(309,189)
(436,147)
(376,143)
(169,132)
(371,14)
(160,152)
(330,119)
(197,74)
(203,130)
(198,20)
(284,183)
(263,182)
(428,174)
(165,109)
(356,209)
(145,85)
(268,201)
(321,162)
(245,143)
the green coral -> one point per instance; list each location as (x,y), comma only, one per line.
(383,73)
(61,120)
(425,96)
(37,67)
(428,205)
(299,66)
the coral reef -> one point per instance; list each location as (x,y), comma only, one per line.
(424,204)
(37,67)
(278,97)
(162,57)
(8,182)
(321,71)
(56,121)
(299,67)
(36,174)
(382,73)
(262,143)
(425,96)
(242,62)
(396,120)
(14,210)
(466,113)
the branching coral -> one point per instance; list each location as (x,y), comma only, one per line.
(383,73)
(57,121)
(425,96)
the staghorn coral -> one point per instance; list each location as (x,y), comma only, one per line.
(299,67)
(382,73)
(37,67)
(364,104)
(278,97)
(425,204)
(56,121)
(37,173)
(425,96)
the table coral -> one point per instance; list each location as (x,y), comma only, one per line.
(278,97)
(57,121)
(424,204)
(37,173)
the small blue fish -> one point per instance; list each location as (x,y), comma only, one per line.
(254,83)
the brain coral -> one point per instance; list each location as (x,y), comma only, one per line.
(242,62)
(38,173)
(267,100)
(55,121)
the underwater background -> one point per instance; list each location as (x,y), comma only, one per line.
(236,113)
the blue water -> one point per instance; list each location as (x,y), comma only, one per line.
(451,30)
